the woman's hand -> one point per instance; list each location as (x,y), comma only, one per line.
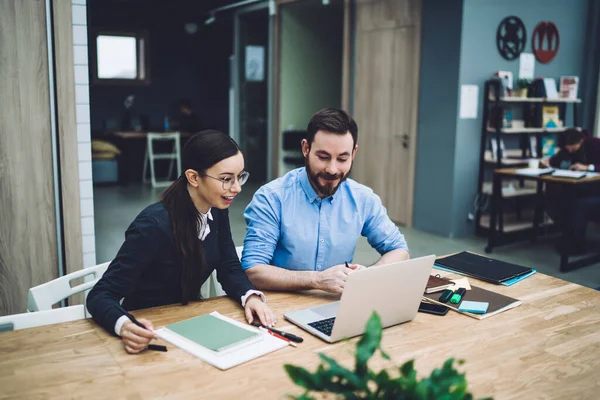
(136,339)
(255,307)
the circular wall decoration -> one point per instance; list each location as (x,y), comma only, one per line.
(545,41)
(511,37)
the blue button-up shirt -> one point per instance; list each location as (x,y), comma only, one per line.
(290,226)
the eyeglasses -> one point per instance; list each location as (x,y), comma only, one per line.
(228,181)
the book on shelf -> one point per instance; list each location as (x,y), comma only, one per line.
(533,146)
(569,86)
(548,146)
(507,80)
(550,117)
(494,148)
(550,88)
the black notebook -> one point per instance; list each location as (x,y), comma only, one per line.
(484,268)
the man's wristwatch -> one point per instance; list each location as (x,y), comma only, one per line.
(591,168)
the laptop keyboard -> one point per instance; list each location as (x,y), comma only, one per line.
(325,325)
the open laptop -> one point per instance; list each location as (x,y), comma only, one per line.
(393,290)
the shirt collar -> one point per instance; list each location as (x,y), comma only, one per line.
(207,215)
(311,193)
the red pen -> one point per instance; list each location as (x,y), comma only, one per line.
(280,337)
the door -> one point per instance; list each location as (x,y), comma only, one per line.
(28,235)
(252,55)
(385,100)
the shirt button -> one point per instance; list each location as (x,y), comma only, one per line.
(318,267)
(322,240)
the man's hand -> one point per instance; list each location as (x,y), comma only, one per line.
(544,163)
(579,167)
(333,279)
(255,307)
(136,339)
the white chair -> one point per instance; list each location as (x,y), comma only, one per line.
(41,318)
(212,287)
(44,296)
(150,156)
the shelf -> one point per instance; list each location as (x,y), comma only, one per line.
(512,224)
(517,131)
(535,100)
(513,189)
(508,161)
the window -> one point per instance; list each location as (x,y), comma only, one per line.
(120,58)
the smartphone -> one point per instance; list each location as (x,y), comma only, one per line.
(433,308)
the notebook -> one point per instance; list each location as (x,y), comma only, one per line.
(437,283)
(231,352)
(483,268)
(534,171)
(497,302)
(565,173)
(213,332)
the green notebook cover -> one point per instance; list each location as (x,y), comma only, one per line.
(211,332)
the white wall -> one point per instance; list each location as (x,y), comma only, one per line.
(82,101)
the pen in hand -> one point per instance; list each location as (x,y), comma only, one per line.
(155,347)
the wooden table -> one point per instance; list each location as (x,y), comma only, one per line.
(569,189)
(549,347)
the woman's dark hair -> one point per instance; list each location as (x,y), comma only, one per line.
(202,151)
(331,120)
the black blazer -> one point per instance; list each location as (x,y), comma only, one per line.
(145,272)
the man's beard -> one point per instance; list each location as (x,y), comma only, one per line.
(329,188)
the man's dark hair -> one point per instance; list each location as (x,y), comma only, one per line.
(331,120)
(572,136)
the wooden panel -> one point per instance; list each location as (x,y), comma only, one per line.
(346,57)
(373,108)
(386,99)
(28,226)
(382,14)
(545,348)
(403,88)
(67,137)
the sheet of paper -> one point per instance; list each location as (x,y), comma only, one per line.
(526,66)
(255,63)
(534,171)
(469,96)
(461,283)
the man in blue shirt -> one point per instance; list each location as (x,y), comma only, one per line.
(303,227)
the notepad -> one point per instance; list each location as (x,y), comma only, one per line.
(232,356)
(565,173)
(534,171)
(212,332)
(497,302)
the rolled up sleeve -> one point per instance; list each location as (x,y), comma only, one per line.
(381,233)
(262,228)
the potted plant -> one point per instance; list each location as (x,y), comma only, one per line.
(522,85)
(331,378)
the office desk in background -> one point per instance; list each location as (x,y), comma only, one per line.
(133,149)
(569,187)
(549,347)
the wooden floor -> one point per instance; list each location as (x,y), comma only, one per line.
(549,347)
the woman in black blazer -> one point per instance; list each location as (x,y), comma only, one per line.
(172,247)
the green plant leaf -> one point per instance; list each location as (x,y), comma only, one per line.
(301,377)
(367,344)
(345,375)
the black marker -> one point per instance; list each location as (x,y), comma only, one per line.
(286,335)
